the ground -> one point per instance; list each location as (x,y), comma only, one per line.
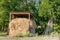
(29,38)
(3,36)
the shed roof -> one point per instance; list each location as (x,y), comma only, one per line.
(22,13)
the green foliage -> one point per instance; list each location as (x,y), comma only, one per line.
(50,9)
(56,28)
(40,30)
(44,8)
(7,6)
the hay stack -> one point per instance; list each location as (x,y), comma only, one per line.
(21,26)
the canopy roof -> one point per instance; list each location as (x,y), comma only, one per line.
(22,13)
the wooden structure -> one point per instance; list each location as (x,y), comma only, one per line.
(21,15)
(21,22)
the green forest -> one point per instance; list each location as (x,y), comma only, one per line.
(43,10)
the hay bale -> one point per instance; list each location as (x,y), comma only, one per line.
(21,26)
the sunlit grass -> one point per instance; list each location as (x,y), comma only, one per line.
(3,34)
(53,34)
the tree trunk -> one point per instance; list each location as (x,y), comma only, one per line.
(49,26)
(3,25)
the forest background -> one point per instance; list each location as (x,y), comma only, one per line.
(43,11)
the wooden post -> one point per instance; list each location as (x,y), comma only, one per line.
(12,16)
(29,19)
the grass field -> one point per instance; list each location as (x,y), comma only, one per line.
(3,36)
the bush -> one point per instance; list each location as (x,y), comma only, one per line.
(56,28)
(40,30)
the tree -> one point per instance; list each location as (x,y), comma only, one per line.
(48,10)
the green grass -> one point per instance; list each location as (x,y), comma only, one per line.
(54,34)
(3,34)
(27,35)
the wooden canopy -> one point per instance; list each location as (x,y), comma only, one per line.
(26,14)
(21,13)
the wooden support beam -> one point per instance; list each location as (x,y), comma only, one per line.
(29,19)
(12,16)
